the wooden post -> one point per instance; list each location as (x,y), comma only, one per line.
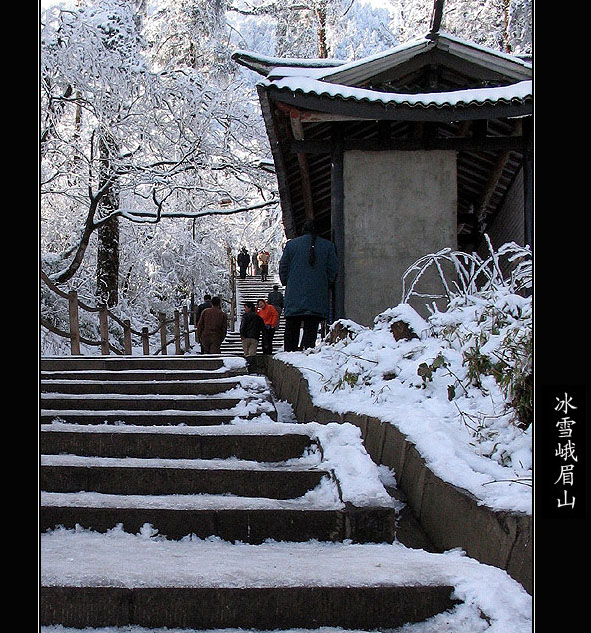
(177,332)
(74,325)
(337,219)
(104,329)
(186,327)
(145,341)
(127,337)
(162,319)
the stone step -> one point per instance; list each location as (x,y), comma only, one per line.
(183,477)
(126,363)
(151,418)
(268,608)
(168,443)
(108,402)
(138,386)
(139,374)
(234,347)
(233,519)
(215,586)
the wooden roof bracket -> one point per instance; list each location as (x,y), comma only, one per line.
(297,129)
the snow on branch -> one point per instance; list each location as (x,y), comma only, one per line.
(470,273)
(144,216)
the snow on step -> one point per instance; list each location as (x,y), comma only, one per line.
(82,557)
(214,584)
(280,581)
(336,494)
(259,441)
(341,452)
(212,401)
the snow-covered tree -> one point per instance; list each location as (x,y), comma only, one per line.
(504,25)
(121,139)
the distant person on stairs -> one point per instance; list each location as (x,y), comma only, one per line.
(212,327)
(251,327)
(264,258)
(275,298)
(307,269)
(270,318)
(243,261)
(255,263)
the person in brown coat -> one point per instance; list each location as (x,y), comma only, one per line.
(212,327)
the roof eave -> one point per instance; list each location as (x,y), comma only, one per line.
(400,112)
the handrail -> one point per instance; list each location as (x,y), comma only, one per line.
(74,304)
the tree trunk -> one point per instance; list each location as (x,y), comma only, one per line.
(322,47)
(107,269)
(107,266)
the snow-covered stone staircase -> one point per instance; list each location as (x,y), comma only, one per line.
(172,496)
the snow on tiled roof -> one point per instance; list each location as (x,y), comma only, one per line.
(475,96)
(336,79)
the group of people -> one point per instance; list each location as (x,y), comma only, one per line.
(260,321)
(308,269)
(260,263)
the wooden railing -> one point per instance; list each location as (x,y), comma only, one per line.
(180,338)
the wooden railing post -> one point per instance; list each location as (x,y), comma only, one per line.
(74,325)
(162,319)
(186,327)
(127,337)
(177,332)
(104,329)
(145,341)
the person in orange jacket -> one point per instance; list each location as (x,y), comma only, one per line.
(270,317)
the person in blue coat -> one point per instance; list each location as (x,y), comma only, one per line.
(308,268)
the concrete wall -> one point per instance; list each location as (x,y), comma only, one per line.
(450,516)
(398,206)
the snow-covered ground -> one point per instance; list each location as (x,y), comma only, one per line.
(492,602)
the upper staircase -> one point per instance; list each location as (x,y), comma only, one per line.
(253,289)
(163,454)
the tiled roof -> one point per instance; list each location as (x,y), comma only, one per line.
(514,93)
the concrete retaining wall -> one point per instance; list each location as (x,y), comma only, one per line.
(396,204)
(450,516)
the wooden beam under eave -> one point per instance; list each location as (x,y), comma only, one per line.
(491,185)
(312,116)
(271,125)
(297,130)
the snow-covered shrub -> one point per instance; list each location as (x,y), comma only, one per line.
(489,320)
(469,366)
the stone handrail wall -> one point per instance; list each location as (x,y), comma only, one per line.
(451,517)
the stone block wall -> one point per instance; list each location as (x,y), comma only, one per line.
(451,517)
